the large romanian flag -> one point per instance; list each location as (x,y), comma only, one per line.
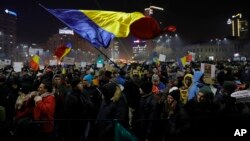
(100,27)
(62,50)
(34,62)
(97,27)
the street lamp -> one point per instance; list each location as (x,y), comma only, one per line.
(149,10)
(237,24)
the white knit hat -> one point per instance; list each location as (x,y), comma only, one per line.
(172,89)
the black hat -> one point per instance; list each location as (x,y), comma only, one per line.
(108,90)
(146,87)
(229,86)
(75,80)
(175,94)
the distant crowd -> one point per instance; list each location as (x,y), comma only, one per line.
(152,102)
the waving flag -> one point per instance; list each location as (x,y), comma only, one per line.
(100,27)
(97,27)
(62,51)
(182,62)
(155,58)
(34,62)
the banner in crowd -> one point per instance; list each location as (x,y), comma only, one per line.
(162,57)
(17,66)
(52,62)
(209,72)
(69,60)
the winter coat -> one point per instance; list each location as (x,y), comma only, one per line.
(196,84)
(44,110)
(148,115)
(110,110)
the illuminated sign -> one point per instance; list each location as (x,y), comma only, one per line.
(66,31)
(10,12)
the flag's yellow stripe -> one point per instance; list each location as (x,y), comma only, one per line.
(117,23)
(36,59)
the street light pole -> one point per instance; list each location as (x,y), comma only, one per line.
(149,10)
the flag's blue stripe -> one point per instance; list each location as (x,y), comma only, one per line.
(83,26)
(180,63)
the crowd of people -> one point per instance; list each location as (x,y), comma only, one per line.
(153,103)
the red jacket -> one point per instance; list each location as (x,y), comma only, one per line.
(44,111)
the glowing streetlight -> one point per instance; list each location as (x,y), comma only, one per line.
(156,8)
(236,55)
(149,10)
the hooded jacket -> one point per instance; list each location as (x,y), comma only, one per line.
(196,84)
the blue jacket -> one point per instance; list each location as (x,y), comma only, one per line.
(196,84)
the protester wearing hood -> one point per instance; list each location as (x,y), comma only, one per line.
(187,81)
(197,82)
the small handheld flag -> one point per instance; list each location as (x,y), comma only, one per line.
(63,50)
(34,62)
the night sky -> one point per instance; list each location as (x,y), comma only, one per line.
(195,20)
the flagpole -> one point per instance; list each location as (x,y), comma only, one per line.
(107,58)
(42,6)
(94,47)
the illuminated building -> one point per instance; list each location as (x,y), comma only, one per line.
(219,49)
(8,21)
(114,50)
(139,50)
(82,50)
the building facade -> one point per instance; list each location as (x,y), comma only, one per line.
(219,50)
(81,49)
(8,21)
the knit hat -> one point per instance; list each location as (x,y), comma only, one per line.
(229,86)
(175,94)
(88,78)
(172,89)
(75,81)
(205,90)
(108,90)
(146,87)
